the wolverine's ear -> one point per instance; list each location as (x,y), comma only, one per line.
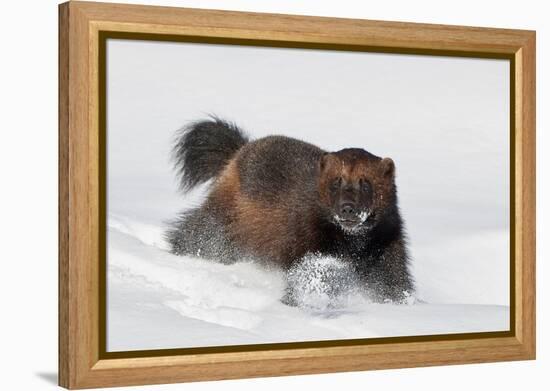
(388,166)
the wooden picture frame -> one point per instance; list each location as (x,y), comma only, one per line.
(83,28)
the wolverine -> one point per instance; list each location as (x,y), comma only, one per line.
(277,199)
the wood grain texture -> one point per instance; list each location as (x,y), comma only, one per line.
(79,203)
(63,222)
(525,129)
(171,20)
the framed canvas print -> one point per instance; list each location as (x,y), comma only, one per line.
(248,195)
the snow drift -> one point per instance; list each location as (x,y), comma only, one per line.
(157,300)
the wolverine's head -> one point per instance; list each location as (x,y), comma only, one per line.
(356,188)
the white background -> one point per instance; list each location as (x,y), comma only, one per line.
(29,213)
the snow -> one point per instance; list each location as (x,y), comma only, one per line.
(443,121)
(157,300)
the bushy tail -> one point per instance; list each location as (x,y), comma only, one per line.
(203,148)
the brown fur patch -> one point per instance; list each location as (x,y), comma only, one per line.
(259,228)
(227,185)
(255,228)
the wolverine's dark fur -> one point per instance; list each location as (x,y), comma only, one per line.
(278,199)
(203,148)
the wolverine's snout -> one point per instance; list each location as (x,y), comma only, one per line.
(348,211)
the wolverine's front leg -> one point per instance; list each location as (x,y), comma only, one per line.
(388,278)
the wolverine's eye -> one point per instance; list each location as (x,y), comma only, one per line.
(335,185)
(365,185)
